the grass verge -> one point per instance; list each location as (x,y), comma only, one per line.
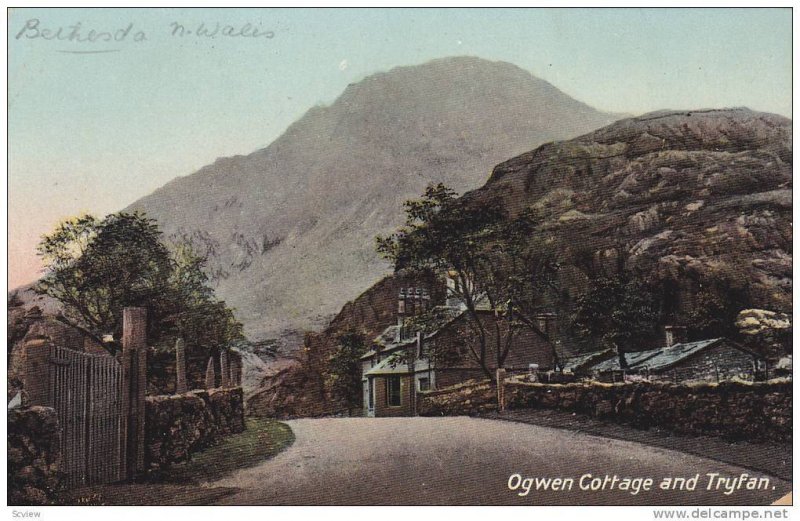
(262,439)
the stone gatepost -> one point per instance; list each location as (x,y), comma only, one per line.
(501,389)
(134,361)
(36,385)
(211,376)
(225,375)
(180,367)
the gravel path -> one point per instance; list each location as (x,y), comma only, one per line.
(460,460)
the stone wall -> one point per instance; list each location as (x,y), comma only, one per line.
(33,456)
(759,411)
(469,398)
(179,425)
(734,410)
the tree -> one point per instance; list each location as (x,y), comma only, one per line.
(197,316)
(95,268)
(495,261)
(619,312)
(343,377)
(522,276)
(444,234)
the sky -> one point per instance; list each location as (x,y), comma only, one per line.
(95,125)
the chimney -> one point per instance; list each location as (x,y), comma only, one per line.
(674,335)
(401,313)
(545,323)
(401,304)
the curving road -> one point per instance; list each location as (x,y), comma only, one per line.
(468,461)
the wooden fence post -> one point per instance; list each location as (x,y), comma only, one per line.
(501,389)
(37,372)
(210,375)
(134,355)
(225,376)
(180,367)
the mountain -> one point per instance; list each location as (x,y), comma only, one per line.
(694,200)
(289,229)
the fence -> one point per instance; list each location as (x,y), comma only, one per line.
(99,402)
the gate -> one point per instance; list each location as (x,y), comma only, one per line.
(86,390)
(99,401)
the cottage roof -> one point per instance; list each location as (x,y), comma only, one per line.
(387,337)
(392,365)
(576,363)
(656,359)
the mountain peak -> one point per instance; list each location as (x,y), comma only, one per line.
(290,228)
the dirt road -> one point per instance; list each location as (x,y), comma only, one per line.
(455,461)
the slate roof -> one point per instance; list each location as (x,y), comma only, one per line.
(576,363)
(392,366)
(386,339)
(657,359)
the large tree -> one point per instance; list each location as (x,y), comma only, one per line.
(495,261)
(95,268)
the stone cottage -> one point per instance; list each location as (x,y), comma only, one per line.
(399,366)
(679,361)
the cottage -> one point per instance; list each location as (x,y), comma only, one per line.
(399,365)
(709,360)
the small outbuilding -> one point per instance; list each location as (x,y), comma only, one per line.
(709,360)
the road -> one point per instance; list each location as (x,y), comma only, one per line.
(468,461)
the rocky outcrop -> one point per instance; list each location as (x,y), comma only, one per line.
(695,200)
(178,425)
(34,454)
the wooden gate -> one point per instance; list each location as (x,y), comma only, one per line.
(87,392)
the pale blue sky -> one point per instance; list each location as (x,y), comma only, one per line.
(94,132)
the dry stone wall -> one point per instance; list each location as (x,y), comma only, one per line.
(179,425)
(471,398)
(733,410)
(34,454)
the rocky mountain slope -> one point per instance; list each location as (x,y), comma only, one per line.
(694,199)
(290,229)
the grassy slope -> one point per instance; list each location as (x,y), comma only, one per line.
(263,439)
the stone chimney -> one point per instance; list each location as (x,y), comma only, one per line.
(674,335)
(546,323)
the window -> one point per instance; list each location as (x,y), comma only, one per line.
(371,398)
(393,391)
(424,384)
